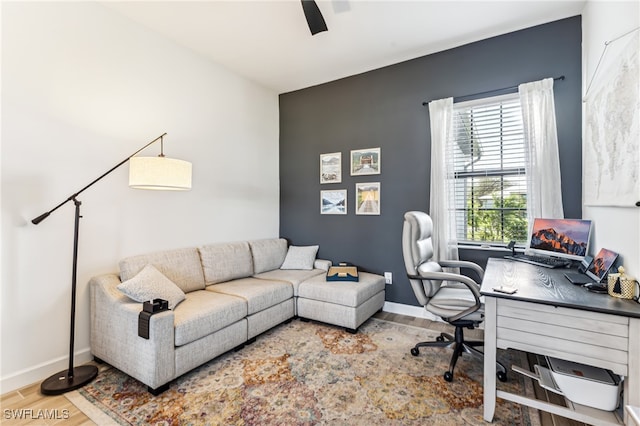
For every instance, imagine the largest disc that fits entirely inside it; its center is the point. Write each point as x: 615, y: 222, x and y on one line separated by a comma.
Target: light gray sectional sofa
x: 221, y: 296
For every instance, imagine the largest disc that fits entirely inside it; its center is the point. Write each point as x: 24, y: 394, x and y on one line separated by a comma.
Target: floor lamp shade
x: 160, y: 173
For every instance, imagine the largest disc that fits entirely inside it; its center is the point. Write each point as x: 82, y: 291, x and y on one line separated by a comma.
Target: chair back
x: 417, y: 250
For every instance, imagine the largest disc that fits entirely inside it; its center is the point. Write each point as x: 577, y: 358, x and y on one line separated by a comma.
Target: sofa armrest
x: 322, y: 264
x: 114, y: 334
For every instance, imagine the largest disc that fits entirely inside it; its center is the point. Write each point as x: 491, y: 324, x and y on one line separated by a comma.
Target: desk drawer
x: 586, y: 337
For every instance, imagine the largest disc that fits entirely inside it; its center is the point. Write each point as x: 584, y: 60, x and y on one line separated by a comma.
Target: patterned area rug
x: 305, y: 373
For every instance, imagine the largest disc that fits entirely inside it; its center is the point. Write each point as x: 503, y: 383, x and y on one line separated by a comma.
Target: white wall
x: 616, y: 228
x: 82, y: 89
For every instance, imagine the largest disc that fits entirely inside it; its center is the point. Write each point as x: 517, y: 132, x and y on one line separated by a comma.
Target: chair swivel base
x: 63, y: 382
x: 460, y: 346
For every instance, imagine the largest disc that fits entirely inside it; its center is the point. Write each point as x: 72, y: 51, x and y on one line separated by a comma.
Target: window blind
x: 487, y: 174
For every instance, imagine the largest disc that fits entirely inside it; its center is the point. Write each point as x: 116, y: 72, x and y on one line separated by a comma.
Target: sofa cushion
x: 150, y: 284
x: 259, y: 294
x: 293, y: 276
x: 225, y: 262
x: 300, y: 257
x: 204, y: 312
x: 182, y: 266
x: 268, y: 254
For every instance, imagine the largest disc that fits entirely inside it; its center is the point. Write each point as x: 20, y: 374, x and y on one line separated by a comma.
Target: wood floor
x: 27, y: 406
x: 40, y: 410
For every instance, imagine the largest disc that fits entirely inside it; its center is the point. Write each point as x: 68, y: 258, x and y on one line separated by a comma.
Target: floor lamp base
x: 61, y: 382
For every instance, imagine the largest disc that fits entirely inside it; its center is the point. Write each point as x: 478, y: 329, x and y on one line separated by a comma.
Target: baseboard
x: 40, y: 372
x: 410, y: 310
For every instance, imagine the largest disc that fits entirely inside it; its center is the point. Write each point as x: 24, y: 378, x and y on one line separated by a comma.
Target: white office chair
x: 453, y: 297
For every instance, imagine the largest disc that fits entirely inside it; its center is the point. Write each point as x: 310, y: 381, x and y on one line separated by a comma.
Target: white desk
x: 550, y: 316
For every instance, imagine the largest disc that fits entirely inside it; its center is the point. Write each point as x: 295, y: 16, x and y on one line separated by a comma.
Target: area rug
x: 306, y: 373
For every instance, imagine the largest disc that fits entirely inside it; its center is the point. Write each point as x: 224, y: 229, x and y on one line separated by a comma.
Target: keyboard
x: 546, y: 262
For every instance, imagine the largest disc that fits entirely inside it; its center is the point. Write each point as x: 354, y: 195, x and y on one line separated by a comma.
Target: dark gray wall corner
x: 383, y: 108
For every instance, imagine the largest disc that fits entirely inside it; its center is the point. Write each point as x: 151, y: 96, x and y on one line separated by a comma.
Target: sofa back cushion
x: 268, y: 254
x: 182, y: 266
x: 226, y: 261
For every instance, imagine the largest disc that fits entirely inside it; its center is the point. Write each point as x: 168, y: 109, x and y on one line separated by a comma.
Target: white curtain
x: 544, y: 195
x: 441, y: 199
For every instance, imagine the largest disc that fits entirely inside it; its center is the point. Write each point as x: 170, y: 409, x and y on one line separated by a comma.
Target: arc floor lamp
x: 159, y: 173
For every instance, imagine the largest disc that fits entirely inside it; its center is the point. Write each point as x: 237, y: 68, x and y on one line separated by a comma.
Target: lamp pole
x: 76, y: 377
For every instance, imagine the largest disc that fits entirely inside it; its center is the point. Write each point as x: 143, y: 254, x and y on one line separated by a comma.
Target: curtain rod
x: 457, y: 98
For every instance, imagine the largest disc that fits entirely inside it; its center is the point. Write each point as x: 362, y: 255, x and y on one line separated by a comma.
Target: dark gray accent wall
x: 383, y: 108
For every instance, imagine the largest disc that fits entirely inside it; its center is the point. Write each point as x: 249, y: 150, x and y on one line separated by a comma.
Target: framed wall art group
x: 363, y: 162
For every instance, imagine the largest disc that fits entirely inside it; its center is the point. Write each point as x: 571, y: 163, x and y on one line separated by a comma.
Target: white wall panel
x: 83, y: 88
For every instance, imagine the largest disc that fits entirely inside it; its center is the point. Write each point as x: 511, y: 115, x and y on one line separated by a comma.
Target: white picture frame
x: 367, y: 198
x: 331, y: 167
x: 365, y: 162
x: 333, y: 201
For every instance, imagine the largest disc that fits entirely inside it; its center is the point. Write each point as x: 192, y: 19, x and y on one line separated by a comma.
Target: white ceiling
x: 269, y: 42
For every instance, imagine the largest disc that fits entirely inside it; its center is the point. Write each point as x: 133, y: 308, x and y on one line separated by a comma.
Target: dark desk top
x: 549, y: 287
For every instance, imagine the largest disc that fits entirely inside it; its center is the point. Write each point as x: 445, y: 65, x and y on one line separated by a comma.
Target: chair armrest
x: 463, y: 264
x: 114, y: 334
x: 473, y: 287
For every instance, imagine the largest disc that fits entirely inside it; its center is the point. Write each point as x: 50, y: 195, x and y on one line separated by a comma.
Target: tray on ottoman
x: 342, y: 273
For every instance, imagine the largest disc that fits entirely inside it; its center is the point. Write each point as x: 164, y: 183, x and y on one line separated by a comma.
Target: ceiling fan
x: 314, y: 17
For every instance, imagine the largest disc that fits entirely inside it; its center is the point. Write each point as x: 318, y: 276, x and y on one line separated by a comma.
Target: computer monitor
x: 565, y: 238
x: 601, y: 264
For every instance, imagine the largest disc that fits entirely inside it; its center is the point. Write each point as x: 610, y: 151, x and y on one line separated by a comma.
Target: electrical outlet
x: 388, y: 278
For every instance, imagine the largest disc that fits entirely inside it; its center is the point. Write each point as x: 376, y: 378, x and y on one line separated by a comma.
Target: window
x: 489, y: 177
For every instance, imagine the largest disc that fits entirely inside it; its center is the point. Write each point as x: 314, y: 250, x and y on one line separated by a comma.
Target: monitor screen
x: 566, y: 238
x: 601, y: 264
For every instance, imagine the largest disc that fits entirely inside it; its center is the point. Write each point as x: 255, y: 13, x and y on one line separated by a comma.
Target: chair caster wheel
x: 448, y: 376
x: 439, y: 339
x: 415, y: 351
x: 502, y: 376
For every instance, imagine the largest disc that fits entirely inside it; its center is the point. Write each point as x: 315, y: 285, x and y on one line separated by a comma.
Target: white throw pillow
x: 300, y: 257
x: 149, y: 284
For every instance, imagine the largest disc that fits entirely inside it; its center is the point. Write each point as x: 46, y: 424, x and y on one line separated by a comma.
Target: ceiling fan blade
x: 314, y: 17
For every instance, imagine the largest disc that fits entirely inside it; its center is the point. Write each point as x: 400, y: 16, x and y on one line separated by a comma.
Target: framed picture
x: 331, y: 167
x: 368, y: 198
x: 365, y: 162
x: 333, y: 202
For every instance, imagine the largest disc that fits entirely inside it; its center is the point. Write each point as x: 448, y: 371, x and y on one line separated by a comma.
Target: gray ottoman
x: 343, y: 303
